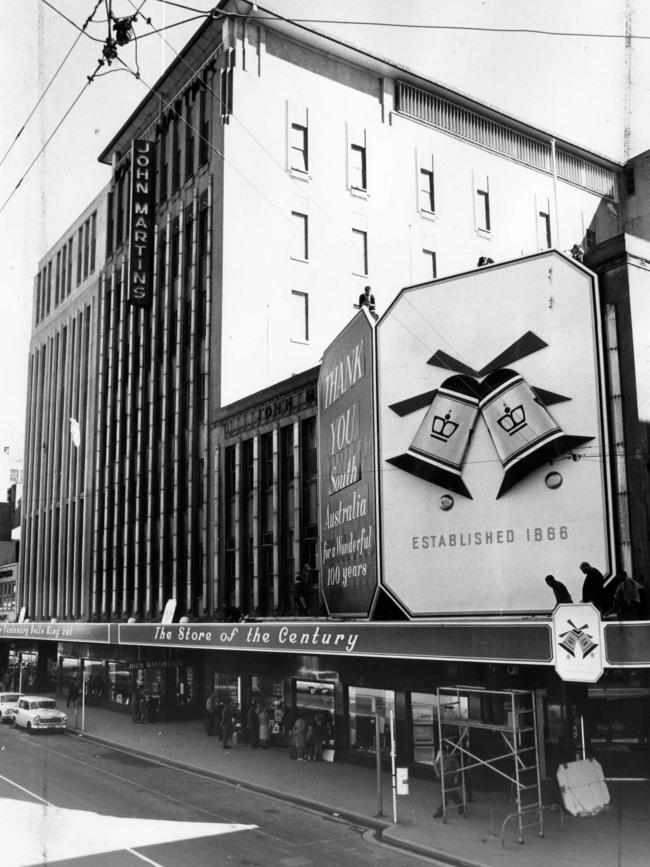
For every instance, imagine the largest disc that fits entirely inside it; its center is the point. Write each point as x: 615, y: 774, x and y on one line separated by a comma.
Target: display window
x: 269, y: 694
x: 424, y: 722
x: 365, y: 706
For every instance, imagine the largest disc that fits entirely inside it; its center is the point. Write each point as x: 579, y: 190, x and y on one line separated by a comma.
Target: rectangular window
x: 189, y: 137
x: 360, y: 252
x: 298, y: 148
x: 110, y: 224
x: 64, y: 270
x: 358, y: 175
x: 204, y: 127
x: 628, y: 180
x: 590, y: 239
x: 69, y: 287
x: 80, y: 252
x: 544, y: 229
x: 162, y: 162
x: 86, y: 228
x: 226, y: 85
x: 426, y: 191
x: 483, y: 223
x: 176, y: 147
x: 300, y: 316
x: 430, y: 264
x: 93, y: 240
x: 174, y: 251
x: 364, y: 704
x: 300, y: 239
x: 49, y: 287
x: 57, y: 279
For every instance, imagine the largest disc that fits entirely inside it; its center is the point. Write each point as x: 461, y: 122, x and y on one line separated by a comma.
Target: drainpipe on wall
x: 556, y: 218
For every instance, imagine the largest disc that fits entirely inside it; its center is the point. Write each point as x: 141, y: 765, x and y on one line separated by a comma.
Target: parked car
x: 8, y: 706
x: 39, y: 713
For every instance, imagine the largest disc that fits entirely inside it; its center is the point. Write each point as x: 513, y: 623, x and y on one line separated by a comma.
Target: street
x: 66, y: 800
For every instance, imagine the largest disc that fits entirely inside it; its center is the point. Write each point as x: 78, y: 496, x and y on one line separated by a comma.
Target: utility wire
x: 70, y: 21
x: 51, y: 82
x: 403, y: 25
x: 51, y: 136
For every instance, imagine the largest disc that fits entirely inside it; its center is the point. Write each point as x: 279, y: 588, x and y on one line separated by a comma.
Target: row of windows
x: 54, y: 281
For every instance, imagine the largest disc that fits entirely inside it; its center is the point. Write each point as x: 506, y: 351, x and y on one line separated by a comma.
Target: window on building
x: 287, y: 502
x: 590, y: 239
x: 69, y: 286
x: 204, y: 127
x: 544, y: 230
x: 188, y: 246
x: 629, y: 181
x: 226, y: 85
x: 360, y: 252
x: 93, y: 240
x: 300, y: 316
x: 57, y: 279
x: 174, y: 259
x: 86, y: 228
x: 189, y: 136
x: 162, y: 162
x: 365, y: 705
x: 298, y: 148
x: 300, y: 239
x: 80, y: 253
x: 110, y: 224
x: 176, y: 146
x: 49, y: 287
x: 426, y: 191
x: 309, y: 490
x: 358, y: 170
x: 64, y: 270
x: 483, y: 217
x: 430, y: 264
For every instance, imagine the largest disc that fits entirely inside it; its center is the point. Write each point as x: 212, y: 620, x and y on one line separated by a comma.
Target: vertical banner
x: 141, y: 222
x: 348, y: 529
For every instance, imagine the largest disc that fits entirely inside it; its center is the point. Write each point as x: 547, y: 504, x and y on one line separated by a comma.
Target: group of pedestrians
x: 222, y: 719
x: 624, y: 598
x: 309, y: 737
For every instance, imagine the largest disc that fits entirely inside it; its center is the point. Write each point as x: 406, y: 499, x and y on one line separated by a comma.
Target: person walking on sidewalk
x: 253, y: 725
x: 299, y: 738
x: 210, y: 711
x: 227, y: 723
x: 263, y: 721
x: 447, y: 769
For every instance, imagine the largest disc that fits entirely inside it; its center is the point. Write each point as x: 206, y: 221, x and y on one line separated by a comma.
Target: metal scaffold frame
x: 519, y: 734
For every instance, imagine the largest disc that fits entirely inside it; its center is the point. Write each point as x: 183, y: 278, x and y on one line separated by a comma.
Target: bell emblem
x: 524, y: 433
x: 440, y: 443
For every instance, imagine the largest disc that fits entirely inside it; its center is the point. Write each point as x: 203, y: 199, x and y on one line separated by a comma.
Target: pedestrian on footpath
x: 227, y: 723
x: 137, y: 706
x: 253, y: 725
x: 263, y: 723
x: 299, y: 738
x: 210, y: 711
x: 447, y: 767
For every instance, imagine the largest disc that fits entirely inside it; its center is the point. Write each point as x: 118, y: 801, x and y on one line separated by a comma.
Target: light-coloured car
x: 8, y: 706
x: 39, y: 713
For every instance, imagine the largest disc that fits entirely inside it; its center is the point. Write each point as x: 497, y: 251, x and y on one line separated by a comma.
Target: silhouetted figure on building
x: 483, y: 261
x: 627, y: 597
x: 367, y: 299
x: 577, y: 253
x: 559, y: 589
x: 593, y: 587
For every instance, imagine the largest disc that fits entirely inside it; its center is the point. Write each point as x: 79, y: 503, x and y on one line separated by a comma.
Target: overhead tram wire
x: 402, y: 25
x: 70, y: 21
x: 51, y: 82
x: 51, y: 136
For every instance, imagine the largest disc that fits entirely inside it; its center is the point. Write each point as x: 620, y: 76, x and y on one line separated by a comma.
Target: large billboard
x: 492, y: 439
x: 346, y: 423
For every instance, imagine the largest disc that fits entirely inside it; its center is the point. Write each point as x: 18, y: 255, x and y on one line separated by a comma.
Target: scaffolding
x: 511, y: 714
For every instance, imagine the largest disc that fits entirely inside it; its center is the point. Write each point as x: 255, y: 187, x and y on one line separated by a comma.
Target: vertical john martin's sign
x: 140, y: 287
x: 347, y: 475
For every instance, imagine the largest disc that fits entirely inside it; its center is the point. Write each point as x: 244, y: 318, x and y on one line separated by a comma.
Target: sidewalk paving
x: 619, y: 837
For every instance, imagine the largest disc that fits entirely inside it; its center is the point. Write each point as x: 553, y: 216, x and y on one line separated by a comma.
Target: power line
x: 50, y: 137
x: 403, y: 25
x: 70, y: 21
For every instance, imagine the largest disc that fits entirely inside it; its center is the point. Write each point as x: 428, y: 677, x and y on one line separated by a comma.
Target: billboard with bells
x: 492, y: 438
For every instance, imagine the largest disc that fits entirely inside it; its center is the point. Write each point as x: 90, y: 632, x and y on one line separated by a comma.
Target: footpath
x: 618, y: 837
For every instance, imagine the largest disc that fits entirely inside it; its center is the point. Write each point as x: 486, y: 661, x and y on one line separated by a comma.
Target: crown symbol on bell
x: 513, y: 419
x: 443, y: 428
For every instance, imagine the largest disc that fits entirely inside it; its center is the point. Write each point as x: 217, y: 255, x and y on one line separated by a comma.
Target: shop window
x: 364, y: 707
x: 314, y: 702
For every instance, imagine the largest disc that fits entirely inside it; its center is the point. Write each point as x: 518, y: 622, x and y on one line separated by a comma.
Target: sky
x: 520, y: 56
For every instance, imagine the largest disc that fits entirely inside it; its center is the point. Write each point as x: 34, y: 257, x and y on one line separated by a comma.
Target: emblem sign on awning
x: 578, y: 642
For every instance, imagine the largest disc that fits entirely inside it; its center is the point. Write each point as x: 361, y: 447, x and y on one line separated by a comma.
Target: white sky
x: 574, y: 87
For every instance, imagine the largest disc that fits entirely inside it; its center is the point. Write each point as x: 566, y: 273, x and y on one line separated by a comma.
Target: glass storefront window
x: 315, y: 698
x: 363, y: 706
x: 119, y: 683
x: 425, y: 728
x: 269, y: 694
